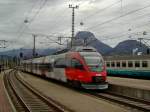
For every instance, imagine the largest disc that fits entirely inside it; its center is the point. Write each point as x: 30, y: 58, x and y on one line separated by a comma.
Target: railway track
x: 26, y: 98
x: 126, y: 101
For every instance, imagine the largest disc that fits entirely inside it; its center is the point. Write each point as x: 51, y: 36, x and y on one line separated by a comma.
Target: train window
x: 93, y: 60
x: 112, y: 64
x: 51, y: 67
x: 41, y: 66
x: 33, y: 66
x: 108, y: 64
x: 76, y: 64
x: 130, y: 64
x: 68, y: 62
x: 137, y: 64
x: 45, y: 66
x: 48, y: 66
x: 60, y: 63
x: 118, y: 64
x: 144, y: 64
x: 124, y: 64
x: 37, y: 66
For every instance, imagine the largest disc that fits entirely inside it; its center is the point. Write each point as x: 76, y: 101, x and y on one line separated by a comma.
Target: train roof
x: 76, y: 48
x: 127, y: 57
x: 60, y: 54
x: 37, y: 60
x: 61, y: 51
x: 84, y: 49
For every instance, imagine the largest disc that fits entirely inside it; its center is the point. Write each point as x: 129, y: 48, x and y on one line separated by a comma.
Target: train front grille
x: 97, y: 79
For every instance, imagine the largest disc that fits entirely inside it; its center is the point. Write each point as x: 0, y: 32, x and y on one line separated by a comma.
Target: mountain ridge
x: 87, y: 38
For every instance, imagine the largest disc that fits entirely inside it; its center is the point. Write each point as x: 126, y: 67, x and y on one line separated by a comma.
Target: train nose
x: 97, y: 79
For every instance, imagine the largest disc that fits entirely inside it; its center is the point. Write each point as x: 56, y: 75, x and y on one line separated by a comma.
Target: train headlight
x: 98, y: 75
x: 97, y: 79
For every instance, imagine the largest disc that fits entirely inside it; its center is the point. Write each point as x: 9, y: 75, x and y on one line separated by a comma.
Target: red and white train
x: 81, y: 66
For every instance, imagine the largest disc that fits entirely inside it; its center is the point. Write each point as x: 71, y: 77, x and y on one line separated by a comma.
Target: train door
x: 76, y: 70
x: 59, y: 69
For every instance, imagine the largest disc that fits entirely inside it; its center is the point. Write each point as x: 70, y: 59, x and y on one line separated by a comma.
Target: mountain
x: 127, y: 47
x: 27, y: 53
x: 88, y: 38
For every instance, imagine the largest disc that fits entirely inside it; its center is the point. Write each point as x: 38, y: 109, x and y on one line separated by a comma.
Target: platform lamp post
x: 34, y: 48
x: 148, y: 50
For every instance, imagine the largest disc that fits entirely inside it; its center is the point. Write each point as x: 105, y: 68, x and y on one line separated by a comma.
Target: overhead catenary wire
x: 62, y: 17
x: 41, y: 7
x: 120, y: 35
x: 43, y: 2
x: 117, y: 37
x: 20, y: 30
x: 31, y: 10
x: 118, y: 17
x: 129, y: 21
x: 141, y: 17
x: 100, y: 10
x: 146, y: 43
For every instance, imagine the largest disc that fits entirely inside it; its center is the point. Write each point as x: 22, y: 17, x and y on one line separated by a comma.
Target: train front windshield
x: 93, y: 60
x: 94, y: 63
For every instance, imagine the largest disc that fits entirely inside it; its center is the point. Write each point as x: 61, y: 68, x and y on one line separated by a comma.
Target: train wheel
x: 73, y: 83
x: 69, y: 82
x: 77, y: 84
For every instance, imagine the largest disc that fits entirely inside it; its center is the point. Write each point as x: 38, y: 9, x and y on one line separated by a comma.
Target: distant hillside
x: 127, y: 47
x: 90, y: 39
x: 27, y: 53
x: 87, y: 38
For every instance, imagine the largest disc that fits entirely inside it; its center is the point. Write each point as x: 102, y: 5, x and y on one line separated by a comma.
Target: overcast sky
x: 111, y: 21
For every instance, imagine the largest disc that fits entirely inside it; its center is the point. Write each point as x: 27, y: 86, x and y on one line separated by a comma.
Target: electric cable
x: 118, y: 17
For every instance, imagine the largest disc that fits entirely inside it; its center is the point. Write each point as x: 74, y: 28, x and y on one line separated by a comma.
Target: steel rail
x: 27, y: 96
x: 19, y: 104
x: 46, y: 99
x: 124, y: 100
x: 120, y: 99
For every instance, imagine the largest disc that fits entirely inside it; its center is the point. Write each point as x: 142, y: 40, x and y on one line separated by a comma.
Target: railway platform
x: 130, y: 82
x: 4, y: 102
x: 77, y: 102
x: 136, y: 88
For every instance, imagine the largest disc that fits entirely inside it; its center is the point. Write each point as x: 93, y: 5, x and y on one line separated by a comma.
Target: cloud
x: 55, y: 18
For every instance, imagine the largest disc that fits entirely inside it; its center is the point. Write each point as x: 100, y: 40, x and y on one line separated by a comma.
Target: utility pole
x: 60, y: 40
x: 34, y: 39
x: 143, y: 39
x: 73, y: 18
x: 4, y: 60
x: 140, y: 39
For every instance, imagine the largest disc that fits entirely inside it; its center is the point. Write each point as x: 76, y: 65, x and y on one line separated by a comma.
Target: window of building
x: 112, y: 64
x: 144, y: 64
x: 124, y: 64
x: 137, y: 63
x: 130, y: 64
x: 118, y: 64
x: 108, y: 64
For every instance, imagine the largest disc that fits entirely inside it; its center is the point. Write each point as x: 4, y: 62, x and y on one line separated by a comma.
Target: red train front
x: 86, y: 67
